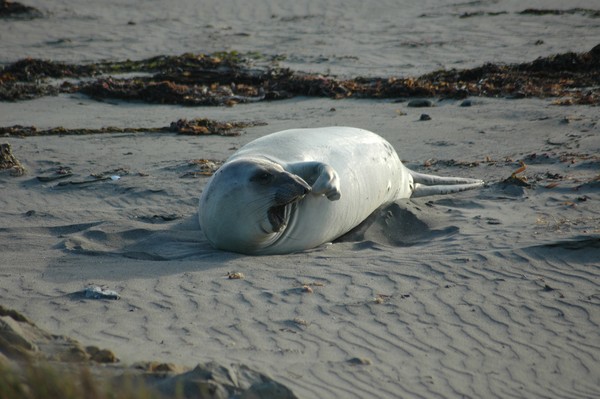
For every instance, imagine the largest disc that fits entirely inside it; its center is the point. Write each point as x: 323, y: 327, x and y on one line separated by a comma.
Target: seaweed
x: 203, y: 126
x: 10, y: 9
x: 9, y: 162
x: 198, y: 126
x: 536, y: 12
x: 582, y: 11
x: 515, y: 180
x: 230, y: 78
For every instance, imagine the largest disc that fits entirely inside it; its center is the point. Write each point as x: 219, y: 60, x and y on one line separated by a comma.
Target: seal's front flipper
x: 322, y: 178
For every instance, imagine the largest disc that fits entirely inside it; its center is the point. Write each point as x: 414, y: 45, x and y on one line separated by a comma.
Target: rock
x: 157, y: 367
x: 421, y: 103
x: 101, y: 355
x: 269, y: 389
x: 14, y: 341
x: 21, y: 341
x: 95, y: 292
x: 74, y: 354
x: 425, y: 117
x: 360, y: 361
x: 100, y: 293
x: 211, y: 380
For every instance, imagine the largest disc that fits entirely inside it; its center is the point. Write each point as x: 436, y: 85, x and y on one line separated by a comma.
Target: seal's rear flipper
x: 436, y: 185
x: 423, y: 191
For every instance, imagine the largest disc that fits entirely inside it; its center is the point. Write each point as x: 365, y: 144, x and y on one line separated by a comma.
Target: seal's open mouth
x: 278, y: 215
x: 291, y: 189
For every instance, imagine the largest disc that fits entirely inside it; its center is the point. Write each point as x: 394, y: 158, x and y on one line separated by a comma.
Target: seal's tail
x: 436, y: 185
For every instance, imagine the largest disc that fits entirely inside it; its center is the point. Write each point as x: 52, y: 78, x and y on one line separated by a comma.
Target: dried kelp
x: 31, y: 69
x: 20, y: 91
x: 571, y: 76
x: 515, y: 179
x: 9, y: 162
x: 228, y: 79
x: 199, y: 126
x: 581, y: 11
x: 203, y: 126
x: 537, y: 12
x: 10, y: 9
x: 166, y: 92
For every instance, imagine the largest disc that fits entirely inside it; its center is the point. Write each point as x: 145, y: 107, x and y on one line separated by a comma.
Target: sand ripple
x: 411, y: 322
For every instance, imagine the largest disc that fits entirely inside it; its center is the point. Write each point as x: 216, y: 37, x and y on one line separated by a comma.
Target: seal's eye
x: 262, y: 178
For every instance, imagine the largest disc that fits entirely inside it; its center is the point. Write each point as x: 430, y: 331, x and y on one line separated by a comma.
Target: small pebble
x: 547, y: 288
x: 466, y: 103
x: 360, y: 361
x: 425, y: 117
x: 235, y: 275
x: 307, y: 289
x: 101, y: 355
x: 300, y: 322
x: 95, y: 292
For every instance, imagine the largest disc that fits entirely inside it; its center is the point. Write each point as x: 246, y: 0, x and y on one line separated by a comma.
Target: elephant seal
x: 297, y: 189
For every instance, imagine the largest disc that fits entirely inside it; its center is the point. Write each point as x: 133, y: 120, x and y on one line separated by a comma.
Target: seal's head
x: 248, y: 203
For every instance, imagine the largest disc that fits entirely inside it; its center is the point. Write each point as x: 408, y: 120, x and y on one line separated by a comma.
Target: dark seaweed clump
x: 9, y: 9
x: 229, y: 79
x: 582, y: 11
x: 9, y: 162
x: 194, y: 127
x: 537, y: 12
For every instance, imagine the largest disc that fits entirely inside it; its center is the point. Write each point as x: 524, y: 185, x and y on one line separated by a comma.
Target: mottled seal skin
x: 297, y: 189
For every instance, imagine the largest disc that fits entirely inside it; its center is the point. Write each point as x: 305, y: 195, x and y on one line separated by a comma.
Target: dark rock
x: 421, y: 103
x: 211, y: 380
x: 360, y: 361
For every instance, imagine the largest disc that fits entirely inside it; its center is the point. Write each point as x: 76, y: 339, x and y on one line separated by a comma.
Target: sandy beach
x: 486, y: 293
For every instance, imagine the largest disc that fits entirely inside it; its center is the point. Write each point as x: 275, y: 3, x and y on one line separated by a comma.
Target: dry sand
x: 489, y: 293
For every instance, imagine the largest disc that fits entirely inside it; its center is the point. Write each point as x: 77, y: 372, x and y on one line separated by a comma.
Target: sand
x: 488, y: 293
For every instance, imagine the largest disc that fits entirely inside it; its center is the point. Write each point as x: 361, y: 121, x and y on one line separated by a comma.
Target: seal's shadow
x: 142, y: 241
x: 400, y: 224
